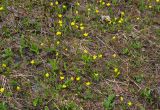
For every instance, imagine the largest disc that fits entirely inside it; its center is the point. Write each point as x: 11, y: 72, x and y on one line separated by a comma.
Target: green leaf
x: 46, y: 108
x: 125, y: 51
x: 109, y: 102
x: 53, y: 64
x: 3, y: 106
x: 35, y: 102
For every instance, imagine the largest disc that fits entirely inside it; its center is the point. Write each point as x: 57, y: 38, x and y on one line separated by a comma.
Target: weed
x: 7, y: 53
x: 109, y: 102
x: 146, y: 93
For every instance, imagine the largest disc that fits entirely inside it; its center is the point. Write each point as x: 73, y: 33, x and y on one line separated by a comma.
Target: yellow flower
x: 129, y: 103
x: 115, y: 18
x: 121, y: 98
x: 51, y: 3
x: 81, y: 24
x: 103, y: 3
x: 138, y: 18
x: 157, y: 1
x: 61, y: 25
x: 94, y: 57
x: 64, y: 6
x: 57, y: 53
x: 4, y: 65
x: 118, y: 73
x: 114, y: 55
x: 32, y: 62
x: 56, y: 3
x: 47, y: 75
x: 100, y: 56
x: 60, y: 21
x: 85, y: 51
x: 1, y: 8
x: 42, y: 44
x: 72, y: 78
x: 121, y: 20
x: 61, y: 77
x: 97, y: 11
x: 58, y: 33
x: 72, y: 23
x: 88, y: 83
x: 116, y: 70
x: 60, y: 73
x: 81, y: 27
x: 96, y: 74
x: 57, y: 42
x: 110, y: 22
x: 76, y: 12
x: 60, y: 15
x: 77, y: 26
x: 89, y: 9
x: 108, y: 4
x: 150, y: 6
x: 65, y: 49
x: 77, y: 3
x: 78, y: 78
x: 122, y: 13
x: 85, y: 34
x: 114, y: 37
x: 18, y: 88
x: 108, y: 19
x: 1, y: 90
x: 64, y: 86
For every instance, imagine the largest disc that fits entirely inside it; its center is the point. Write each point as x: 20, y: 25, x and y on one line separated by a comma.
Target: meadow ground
x: 80, y: 55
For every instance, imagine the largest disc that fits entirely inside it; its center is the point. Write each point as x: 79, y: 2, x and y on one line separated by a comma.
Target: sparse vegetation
x: 80, y: 55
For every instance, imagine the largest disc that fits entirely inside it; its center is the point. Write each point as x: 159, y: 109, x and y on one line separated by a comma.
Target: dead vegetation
x: 80, y: 55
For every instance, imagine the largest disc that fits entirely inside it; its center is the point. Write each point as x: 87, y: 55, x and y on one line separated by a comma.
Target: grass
x: 76, y: 55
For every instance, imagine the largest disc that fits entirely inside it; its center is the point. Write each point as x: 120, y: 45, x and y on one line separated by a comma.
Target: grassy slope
x: 110, y: 64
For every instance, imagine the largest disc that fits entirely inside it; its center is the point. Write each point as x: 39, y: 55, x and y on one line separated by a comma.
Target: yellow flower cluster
x: 81, y: 26
x: 116, y: 70
x: 52, y: 4
x: 60, y: 22
x: 120, y: 20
